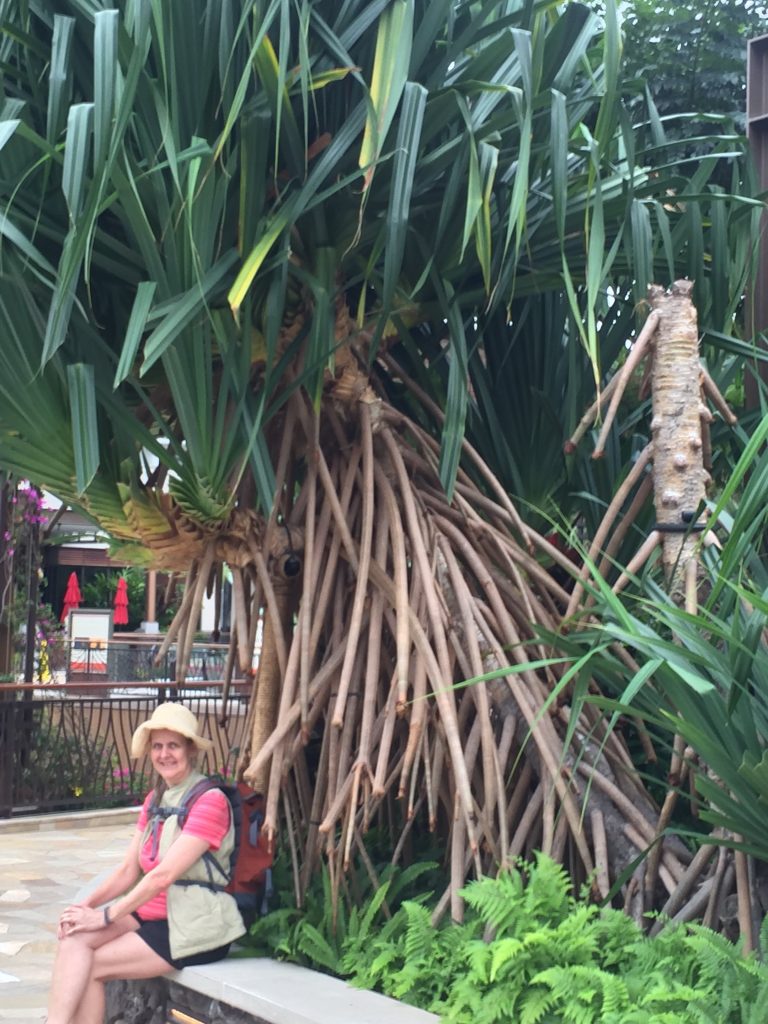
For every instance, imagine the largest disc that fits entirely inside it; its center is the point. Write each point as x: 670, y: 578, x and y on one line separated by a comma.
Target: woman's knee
x: 80, y: 942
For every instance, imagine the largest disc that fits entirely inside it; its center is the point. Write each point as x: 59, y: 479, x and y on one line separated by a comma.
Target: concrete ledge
x: 253, y: 991
x: 281, y: 993
x: 70, y: 820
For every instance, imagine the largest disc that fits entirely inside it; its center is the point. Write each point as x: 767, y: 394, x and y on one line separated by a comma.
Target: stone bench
x: 254, y: 990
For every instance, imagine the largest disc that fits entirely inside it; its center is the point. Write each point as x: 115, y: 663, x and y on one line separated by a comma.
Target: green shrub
x: 58, y: 760
x: 528, y: 952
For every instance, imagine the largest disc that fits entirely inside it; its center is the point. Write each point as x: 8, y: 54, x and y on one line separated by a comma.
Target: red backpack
x: 251, y: 883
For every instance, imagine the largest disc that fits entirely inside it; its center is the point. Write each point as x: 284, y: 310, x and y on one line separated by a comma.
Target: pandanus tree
x: 266, y: 269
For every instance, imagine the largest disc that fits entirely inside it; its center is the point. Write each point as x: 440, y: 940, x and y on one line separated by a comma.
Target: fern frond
x: 479, y: 959
x: 401, y: 880
x: 419, y: 930
x: 497, y: 901
x: 312, y: 944
x: 372, y: 910
x: 538, y: 1001
x: 504, y: 950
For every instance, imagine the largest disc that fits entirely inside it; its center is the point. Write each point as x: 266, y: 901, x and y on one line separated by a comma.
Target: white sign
x: 89, y: 631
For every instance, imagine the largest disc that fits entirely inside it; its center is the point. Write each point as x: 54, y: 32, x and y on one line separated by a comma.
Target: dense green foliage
x: 99, y: 592
x: 182, y: 182
x: 703, y: 676
x: 691, y: 55
x: 528, y: 952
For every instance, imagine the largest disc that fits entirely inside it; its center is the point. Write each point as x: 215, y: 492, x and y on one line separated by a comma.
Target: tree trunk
x: 678, y: 467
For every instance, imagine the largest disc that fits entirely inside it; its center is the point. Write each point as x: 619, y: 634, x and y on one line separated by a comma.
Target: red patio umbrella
x: 72, y: 596
x: 121, y: 603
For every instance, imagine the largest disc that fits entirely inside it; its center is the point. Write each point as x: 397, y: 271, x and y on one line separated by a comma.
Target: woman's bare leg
x: 72, y: 968
x: 125, y: 957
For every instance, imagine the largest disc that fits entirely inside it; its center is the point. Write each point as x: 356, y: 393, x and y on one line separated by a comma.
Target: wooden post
x: 150, y: 603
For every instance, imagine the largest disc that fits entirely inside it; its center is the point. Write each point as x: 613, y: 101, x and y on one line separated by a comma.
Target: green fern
x: 316, y: 947
x: 372, y: 910
x: 553, y: 959
x: 577, y: 991
x: 400, y: 880
x: 419, y: 931
x: 271, y: 935
x: 538, y: 1005
x: 503, y: 953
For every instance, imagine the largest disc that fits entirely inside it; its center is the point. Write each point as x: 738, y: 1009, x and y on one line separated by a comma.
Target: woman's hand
x: 79, y: 918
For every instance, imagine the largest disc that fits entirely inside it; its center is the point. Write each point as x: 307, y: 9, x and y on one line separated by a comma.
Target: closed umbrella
x: 121, y: 603
x: 72, y: 596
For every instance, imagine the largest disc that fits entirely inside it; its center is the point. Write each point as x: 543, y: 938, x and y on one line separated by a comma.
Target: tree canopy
x: 308, y: 289
x: 692, y: 55
x: 180, y: 182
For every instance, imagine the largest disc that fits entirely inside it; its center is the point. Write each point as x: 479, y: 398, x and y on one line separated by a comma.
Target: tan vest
x: 198, y: 917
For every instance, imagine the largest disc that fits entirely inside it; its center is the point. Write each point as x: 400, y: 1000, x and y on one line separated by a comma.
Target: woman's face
x: 171, y: 755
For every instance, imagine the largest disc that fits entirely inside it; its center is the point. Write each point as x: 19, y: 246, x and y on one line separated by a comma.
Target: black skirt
x: 155, y: 934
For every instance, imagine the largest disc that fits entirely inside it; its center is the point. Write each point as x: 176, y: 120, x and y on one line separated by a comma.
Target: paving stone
x: 15, y: 896
x: 22, y: 1016
x: 11, y: 948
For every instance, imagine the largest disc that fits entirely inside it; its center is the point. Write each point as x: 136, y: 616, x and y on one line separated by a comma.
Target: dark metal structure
x: 61, y: 751
x: 757, y: 132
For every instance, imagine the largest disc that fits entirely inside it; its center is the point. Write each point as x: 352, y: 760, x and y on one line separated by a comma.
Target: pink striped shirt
x: 208, y: 819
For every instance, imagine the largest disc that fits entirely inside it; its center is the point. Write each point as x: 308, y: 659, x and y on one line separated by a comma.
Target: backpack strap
x: 158, y: 814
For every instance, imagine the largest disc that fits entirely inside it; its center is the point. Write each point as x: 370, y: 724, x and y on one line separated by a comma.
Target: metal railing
x: 61, y: 660
x: 63, y: 751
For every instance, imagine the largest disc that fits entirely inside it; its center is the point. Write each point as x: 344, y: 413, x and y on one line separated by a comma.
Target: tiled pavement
x: 44, y: 863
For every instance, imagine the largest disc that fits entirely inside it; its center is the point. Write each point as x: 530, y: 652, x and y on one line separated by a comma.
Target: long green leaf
x: 59, y: 76
x: 77, y: 156
x: 85, y: 436
x: 404, y: 169
x: 136, y: 325
x: 184, y: 309
x: 105, y: 64
x: 388, y: 78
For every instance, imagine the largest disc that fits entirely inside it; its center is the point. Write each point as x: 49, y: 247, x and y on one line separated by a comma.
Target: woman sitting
x: 159, y: 909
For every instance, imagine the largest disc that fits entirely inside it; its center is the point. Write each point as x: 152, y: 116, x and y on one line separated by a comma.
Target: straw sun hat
x: 171, y: 716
